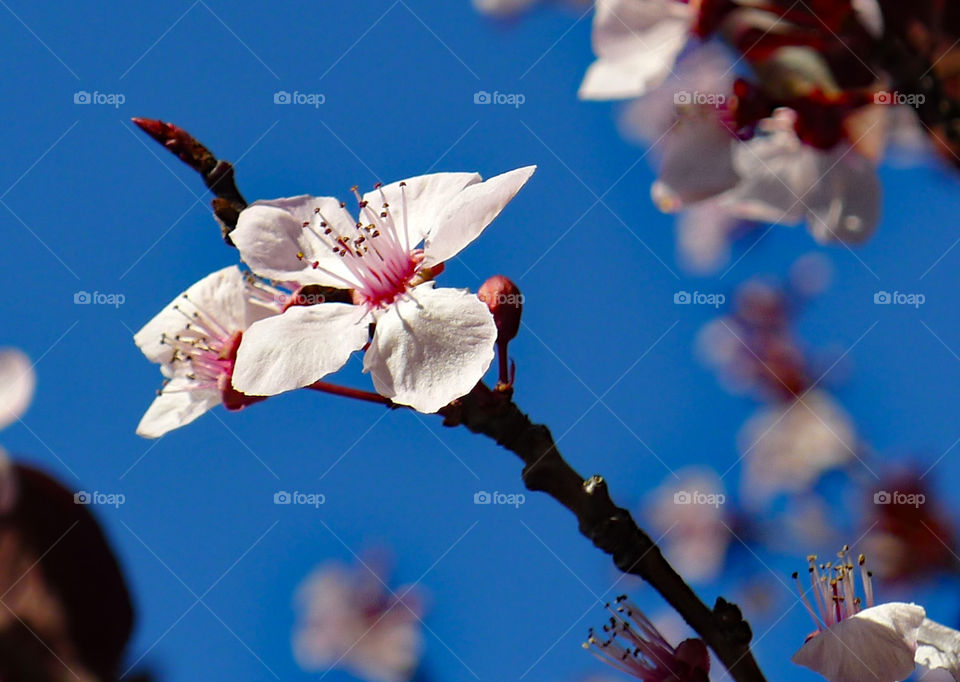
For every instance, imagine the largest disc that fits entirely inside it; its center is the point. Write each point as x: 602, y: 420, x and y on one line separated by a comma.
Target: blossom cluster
x: 324, y: 283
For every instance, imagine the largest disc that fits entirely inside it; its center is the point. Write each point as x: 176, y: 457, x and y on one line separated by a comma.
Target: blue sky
x: 90, y: 204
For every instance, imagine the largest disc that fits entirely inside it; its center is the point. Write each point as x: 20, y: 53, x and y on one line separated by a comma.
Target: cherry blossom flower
x: 852, y: 643
x: 431, y: 345
x: 636, y: 43
x: 195, y: 341
x: 688, y: 510
x: 879, y: 643
x: 350, y: 619
x: 631, y: 643
x: 17, y: 382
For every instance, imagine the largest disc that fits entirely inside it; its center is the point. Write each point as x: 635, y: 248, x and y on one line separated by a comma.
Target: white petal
x: 418, y: 205
x: 17, y: 381
x: 636, y: 43
x: 469, y: 213
x: 299, y: 347
x: 870, y: 15
x: 220, y: 295
x: 844, y: 204
x: 271, y: 235
x: 704, y: 233
x: 431, y: 348
x: 939, y: 647
x: 696, y: 165
x: 178, y: 405
x: 876, y: 645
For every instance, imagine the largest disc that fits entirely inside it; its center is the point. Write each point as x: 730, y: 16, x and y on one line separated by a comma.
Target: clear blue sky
x: 89, y: 203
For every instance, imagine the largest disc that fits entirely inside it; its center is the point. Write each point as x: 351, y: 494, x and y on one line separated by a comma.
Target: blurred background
x: 607, y: 358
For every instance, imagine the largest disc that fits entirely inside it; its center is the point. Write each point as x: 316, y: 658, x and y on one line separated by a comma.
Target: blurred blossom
x: 689, y: 511
x: 787, y: 130
x: 17, y: 382
x: 752, y: 348
x: 910, y: 536
x: 636, y: 43
x: 788, y: 446
x: 349, y: 618
x: 631, y: 643
x: 430, y: 345
x: 195, y: 340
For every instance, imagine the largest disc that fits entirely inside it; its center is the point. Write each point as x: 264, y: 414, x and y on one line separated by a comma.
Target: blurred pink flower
x: 349, y: 618
x: 689, y: 511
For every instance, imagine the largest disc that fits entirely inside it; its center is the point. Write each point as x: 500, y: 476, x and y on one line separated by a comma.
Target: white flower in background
x: 431, y: 345
x: 17, y: 382
x: 348, y: 618
x: 195, y: 340
x: 853, y: 643
x: 881, y: 643
x: 688, y: 510
x: 788, y: 446
x: 636, y: 43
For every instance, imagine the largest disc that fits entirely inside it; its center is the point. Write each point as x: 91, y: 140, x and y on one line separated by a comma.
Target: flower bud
x: 505, y: 302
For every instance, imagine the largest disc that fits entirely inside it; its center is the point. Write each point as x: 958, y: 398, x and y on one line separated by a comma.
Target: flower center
x: 377, y: 253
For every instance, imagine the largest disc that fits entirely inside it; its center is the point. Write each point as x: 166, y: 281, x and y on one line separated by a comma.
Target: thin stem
x: 347, y: 392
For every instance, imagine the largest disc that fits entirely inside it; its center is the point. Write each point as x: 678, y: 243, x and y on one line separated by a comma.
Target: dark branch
x: 609, y: 527
x: 217, y: 174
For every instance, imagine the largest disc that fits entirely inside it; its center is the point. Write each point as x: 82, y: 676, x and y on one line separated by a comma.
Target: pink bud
x: 505, y: 302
